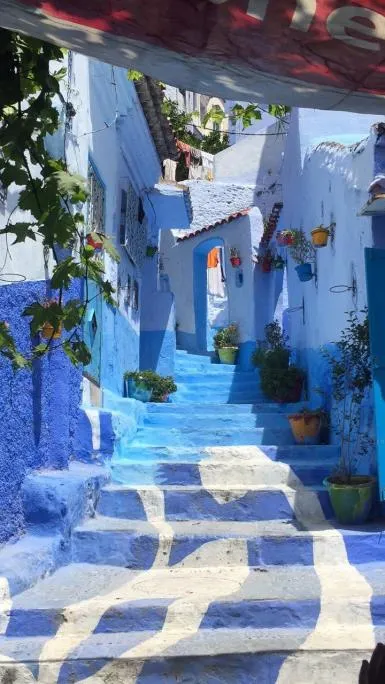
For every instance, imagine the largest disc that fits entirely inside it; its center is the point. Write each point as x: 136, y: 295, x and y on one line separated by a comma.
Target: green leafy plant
x: 227, y: 337
x: 302, y: 250
x: 50, y: 194
x: 151, y: 251
x: 351, y: 377
x: 279, y: 381
x: 160, y: 385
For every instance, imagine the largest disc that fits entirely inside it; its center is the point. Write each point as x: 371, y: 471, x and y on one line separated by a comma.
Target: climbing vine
x: 50, y: 195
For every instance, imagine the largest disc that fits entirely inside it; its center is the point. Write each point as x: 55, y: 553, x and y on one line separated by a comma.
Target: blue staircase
x: 211, y: 550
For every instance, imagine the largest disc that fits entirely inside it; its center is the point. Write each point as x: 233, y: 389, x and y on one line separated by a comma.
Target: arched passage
x: 210, y: 312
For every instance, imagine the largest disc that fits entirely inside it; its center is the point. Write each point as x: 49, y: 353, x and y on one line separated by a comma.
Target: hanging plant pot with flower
x: 320, y: 236
x: 285, y: 238
x: 49, y: 330
x: 93, y: 240
x: 235, y: 258
x: 302, y: 252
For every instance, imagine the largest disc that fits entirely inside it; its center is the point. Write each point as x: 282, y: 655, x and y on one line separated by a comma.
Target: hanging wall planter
x: 94, y: 241
x: 49, y: 332
x: 285, y: 238
x: 320, y: 236
x: 235, y: 261
x: 304, y: 272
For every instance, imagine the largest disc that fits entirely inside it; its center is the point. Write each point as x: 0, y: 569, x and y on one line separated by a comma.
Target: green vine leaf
x: 22, y: 231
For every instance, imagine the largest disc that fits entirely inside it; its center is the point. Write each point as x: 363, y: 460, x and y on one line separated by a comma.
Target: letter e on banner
x: 345, y: 19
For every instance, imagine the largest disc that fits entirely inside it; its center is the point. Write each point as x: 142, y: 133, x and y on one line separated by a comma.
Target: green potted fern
x: 148, y: 386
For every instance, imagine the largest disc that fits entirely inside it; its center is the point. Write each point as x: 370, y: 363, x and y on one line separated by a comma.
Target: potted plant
x: 302, y: 252
x: 320, y: 236
x: 226, y: 343
x: 94, y: 240
x: 151, y: 251
x: 148, y: 386
x: 351, y: 494
x: 235, y: 257
x: 285, y: 238
x: 265, y: 261
x: 280, y: 381
x: 306, y: 425
x: 53, y: 327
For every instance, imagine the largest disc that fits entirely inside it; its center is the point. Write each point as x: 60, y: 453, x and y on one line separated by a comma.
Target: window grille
x: 135, y: 230
x: 96, y: 201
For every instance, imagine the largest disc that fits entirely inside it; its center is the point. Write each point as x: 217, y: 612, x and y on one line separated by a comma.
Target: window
x: 133, y: 231
x: 96, y: 201
x: 123, y: 217
x: 135, y: 296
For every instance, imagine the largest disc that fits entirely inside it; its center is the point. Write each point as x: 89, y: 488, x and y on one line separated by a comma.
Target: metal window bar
x: 96, y: 202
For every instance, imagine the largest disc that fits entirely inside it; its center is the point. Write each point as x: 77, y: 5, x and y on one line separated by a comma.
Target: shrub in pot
x: 306, y: 425
x: 226, y: 343
x: 351, y: 493
x: 148, y: 386
x: 279, y: 381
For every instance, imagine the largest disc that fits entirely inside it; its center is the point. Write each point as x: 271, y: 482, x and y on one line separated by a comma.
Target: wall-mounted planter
x: 96, y: 244
x: 235, y: 261
x: 228, y: 355
x: 49, y: 332
x: 285, y: 238
x: 279, y: 263
x: 304, y: 272
x: 320, y: 236
x: 266, y: 265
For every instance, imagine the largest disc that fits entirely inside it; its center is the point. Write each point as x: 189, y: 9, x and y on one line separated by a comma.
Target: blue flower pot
x: 304, y: 272
x: 137, y: 391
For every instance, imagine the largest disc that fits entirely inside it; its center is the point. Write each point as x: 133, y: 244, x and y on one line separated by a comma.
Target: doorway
x: 211, y: 302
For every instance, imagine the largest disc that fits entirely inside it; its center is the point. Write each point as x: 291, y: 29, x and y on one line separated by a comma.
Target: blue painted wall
x: 39, y: 408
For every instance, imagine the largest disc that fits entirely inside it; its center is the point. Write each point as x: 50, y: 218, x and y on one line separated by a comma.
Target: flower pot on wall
x: 285, y: 238
x: 228, y: 355
x: 94, y: 242
x: 49, y: 332
x: 304, y: 272
x: 351, y: 502
x: 306, y: 427
x: 320, y: 236
x: 235, y: 261
x: 266, y: 265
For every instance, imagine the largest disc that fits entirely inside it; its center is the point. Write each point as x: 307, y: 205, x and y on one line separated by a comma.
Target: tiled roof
x: 212, y: 226
x: 271, y: 224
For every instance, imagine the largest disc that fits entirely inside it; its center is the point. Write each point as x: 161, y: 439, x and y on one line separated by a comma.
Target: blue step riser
x: 240, y: 380
x: 199, y: 505
x: 233, y: 409
x: 212, y: 420
x: 138, y: 552
x: 327, y: 455
x: 236, y: 437
x: 189, y: 474
x: 140, y: 616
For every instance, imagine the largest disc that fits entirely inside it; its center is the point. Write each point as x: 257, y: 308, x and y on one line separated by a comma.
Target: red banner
x: 316, y: 53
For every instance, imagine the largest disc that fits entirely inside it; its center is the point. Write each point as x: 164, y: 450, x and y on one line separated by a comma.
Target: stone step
x: 232, y: 503
x: 214, y: 419
x: 222, y: 409
x: 232, y: 656
x: 287, y: 453
x: 223, y: 397
x: 222, y: 436
x: 223, y: 471
x: 239, y: 379
x: 193, y: 544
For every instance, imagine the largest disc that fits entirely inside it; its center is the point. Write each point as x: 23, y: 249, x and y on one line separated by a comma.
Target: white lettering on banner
x: 304, y: 14
x: 344, y: 19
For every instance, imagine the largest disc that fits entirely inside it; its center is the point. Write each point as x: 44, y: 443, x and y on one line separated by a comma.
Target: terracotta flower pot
x: 235, y: 261
x: 306, y: 428
x: 320, y: 236
x: 49, y: 332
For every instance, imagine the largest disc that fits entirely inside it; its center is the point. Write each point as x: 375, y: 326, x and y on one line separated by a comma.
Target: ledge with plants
x: 351, y: 493
x: 148, y: 386
x: 280, y: 381
x: 226, y: 344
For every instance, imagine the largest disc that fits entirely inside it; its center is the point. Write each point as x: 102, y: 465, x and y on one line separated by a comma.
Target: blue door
x: 93, y: 332
x: 375, y: 281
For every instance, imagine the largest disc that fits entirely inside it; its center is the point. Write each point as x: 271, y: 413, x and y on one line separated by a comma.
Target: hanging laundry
x: 169, y: 166
x: 195, y: 170
x: 213, y: 258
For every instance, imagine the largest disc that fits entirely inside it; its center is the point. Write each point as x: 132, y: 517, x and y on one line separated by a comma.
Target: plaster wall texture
x: 213, y: 202
x: 157, y: 324
x: 241, y: 233
x: 330, y: 185
x: 40, y: 409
